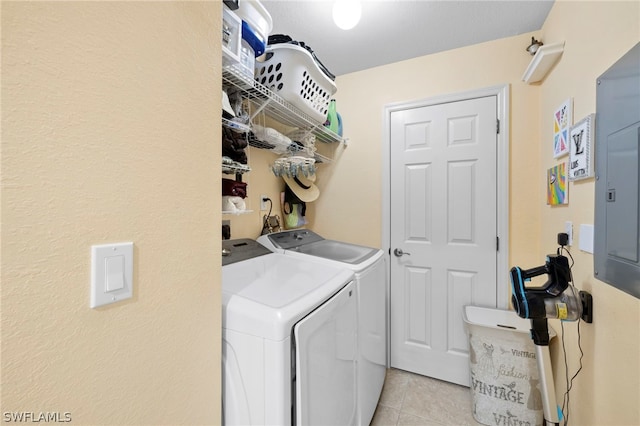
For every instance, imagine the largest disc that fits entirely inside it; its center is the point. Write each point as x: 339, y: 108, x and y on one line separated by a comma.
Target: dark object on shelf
x: 233, y: 145
x: 234, y: 188
x: 231, y: 4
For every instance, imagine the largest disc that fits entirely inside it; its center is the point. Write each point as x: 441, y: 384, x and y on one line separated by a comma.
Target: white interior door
x: 443, y: 171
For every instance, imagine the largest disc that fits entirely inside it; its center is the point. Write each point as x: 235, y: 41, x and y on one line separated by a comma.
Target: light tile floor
x: 411, y: 399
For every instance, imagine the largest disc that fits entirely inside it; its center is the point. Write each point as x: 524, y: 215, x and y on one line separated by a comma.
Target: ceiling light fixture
x: 346, y: 13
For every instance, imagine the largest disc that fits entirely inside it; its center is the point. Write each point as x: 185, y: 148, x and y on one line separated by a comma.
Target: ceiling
x: 395, y: 30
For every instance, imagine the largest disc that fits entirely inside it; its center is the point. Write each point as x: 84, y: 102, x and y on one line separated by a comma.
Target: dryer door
x: 326, y: 352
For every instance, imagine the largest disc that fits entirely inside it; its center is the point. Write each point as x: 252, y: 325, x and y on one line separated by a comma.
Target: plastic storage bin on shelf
x: 291, y: 72
x: 505, y: 382
x: 255, y: 14
x: 231, y: 37
x: 250, y: 36
x: 244, y: 36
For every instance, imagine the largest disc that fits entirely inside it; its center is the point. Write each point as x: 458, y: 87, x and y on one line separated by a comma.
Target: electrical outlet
x: 263, y: 203
x: 226, y: 229
x: 568, y: 229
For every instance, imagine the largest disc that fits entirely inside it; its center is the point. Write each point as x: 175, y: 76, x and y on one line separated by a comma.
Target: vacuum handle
x: 533, y: 272
x: 524, y: 299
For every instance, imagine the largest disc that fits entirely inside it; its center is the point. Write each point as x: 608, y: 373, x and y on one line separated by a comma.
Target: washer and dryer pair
x: 370, y: 270
x: 304, y: 330
x: 288, y: 339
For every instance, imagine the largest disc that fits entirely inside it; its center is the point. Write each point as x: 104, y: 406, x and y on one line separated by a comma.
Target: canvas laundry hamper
x: 505, y: 383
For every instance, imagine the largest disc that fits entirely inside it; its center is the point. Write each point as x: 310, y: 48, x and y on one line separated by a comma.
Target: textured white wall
x: 109, y: 134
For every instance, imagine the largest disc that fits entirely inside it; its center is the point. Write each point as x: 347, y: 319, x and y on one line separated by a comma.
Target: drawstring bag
x: 293, y: 209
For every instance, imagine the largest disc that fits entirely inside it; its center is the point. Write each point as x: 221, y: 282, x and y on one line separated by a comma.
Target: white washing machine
x: 369, y: 266
x: 288, y: 339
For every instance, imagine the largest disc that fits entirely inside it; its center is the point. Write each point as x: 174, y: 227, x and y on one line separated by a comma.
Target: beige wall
x: 351, y: 205
x: 607, y: 391
x: 109, y: 135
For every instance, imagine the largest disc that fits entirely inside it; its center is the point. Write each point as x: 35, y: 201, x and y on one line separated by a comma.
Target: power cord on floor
x: 569, y: 382
x: 265, y: 221
x: 565, y: 402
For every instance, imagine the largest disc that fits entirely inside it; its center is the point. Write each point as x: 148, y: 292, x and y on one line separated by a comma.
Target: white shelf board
x: 543, y: 60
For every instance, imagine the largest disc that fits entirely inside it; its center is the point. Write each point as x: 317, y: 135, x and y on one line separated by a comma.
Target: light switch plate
x: 111, y: 273
x: 586, y: 237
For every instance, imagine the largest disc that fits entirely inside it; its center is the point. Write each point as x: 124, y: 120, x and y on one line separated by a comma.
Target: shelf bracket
x: 260, y: 108
x: 542, y: 62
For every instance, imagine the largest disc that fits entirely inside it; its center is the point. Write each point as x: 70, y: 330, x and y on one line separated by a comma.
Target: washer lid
x: 308, y: 242
x: 266, y: 295
x: 338, y: 251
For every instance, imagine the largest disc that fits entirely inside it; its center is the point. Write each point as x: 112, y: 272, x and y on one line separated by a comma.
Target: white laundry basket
x: 291, y: 72
x: 505, y: 382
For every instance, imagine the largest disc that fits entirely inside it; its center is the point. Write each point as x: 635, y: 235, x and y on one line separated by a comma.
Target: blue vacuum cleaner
x: 556, y: 299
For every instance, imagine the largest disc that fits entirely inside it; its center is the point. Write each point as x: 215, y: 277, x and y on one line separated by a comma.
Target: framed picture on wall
x: 581, y: 150
x: 562, y: 121
x: 557, y: 185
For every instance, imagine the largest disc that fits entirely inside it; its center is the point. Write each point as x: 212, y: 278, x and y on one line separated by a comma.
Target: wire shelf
x: 274, y: 106
x: 235, y: 126
x: 235, y: 168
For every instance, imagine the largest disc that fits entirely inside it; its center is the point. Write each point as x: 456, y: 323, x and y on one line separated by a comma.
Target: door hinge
x: 497, y: 243
x: 497, y: 125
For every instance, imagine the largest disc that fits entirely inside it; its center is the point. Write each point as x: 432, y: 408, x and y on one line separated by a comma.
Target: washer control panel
x: 242, y: 249
x: 288, y: 240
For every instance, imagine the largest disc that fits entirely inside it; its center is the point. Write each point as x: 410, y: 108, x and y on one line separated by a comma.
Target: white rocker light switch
x: 111, y: 273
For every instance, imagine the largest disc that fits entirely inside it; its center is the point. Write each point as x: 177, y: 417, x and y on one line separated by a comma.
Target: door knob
x: 398, y: 252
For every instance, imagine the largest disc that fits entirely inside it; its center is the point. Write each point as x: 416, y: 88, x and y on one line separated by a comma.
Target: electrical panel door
x: 617, y: 218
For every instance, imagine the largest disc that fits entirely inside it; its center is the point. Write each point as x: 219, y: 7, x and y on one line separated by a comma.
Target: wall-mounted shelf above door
x: 544, y: 59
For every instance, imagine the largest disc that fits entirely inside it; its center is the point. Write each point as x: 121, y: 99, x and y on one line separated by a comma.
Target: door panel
x: 444, y: 218
x: 325, y: 373
x: 418, y: 287
x: 462, y: 177
x: 418, y: 227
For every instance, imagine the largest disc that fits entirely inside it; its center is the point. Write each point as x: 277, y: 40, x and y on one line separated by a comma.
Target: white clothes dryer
x: 370, y: 268
x: 288, y: 339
